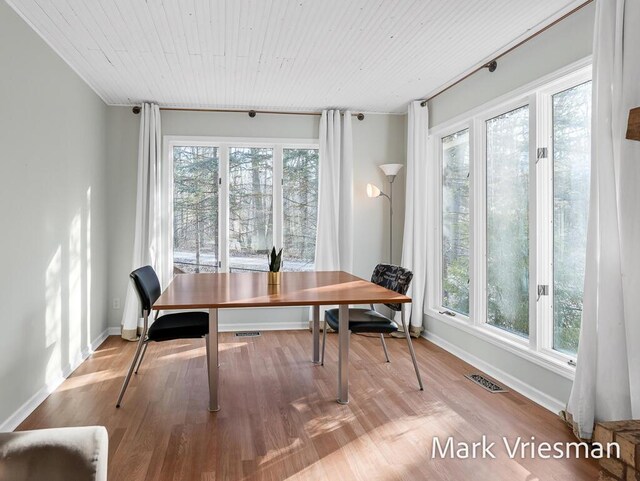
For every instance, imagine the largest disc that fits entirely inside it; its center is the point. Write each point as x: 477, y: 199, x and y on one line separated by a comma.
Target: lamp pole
x: 391, y: 179
x: 390, y: 170
x: 390, y: 199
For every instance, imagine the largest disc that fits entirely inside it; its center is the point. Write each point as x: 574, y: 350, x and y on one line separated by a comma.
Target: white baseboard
x: 291, y: 325
x: 34, y: 401
x: 537, y: 396
x: 263, y: 326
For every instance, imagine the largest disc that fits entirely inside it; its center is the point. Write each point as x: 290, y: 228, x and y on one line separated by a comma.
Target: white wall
x: 561, y: 45
x: 378, y: 139
x: 52, y: 204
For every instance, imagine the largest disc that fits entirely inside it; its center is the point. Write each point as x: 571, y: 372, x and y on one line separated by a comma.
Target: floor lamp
x: 390, y: 170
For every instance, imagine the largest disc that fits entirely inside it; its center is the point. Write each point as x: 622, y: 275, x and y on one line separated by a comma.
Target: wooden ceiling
x: 300, y: 55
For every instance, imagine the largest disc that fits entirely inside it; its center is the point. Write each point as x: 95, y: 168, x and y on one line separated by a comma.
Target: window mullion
x: 277, y: 197
x: 534, y: 211
x: 223, y: 206
x: 544, y: 232
x: 479, y: 176
x: 438, y: 192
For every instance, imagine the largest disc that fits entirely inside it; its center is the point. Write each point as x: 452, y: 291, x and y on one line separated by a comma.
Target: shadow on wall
x: 50, y: 333
x: 67, y: 296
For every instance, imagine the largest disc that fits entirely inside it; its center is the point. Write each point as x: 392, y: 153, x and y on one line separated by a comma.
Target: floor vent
x: 248, y: 334
x: 486, y: 383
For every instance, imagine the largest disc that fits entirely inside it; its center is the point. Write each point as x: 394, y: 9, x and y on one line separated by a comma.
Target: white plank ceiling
x: 302, y: 55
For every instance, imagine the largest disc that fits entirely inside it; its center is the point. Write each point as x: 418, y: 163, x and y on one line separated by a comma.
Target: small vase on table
x: 275, y: 261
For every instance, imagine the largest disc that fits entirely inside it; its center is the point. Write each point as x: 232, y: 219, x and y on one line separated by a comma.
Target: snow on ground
x: 186, y: 261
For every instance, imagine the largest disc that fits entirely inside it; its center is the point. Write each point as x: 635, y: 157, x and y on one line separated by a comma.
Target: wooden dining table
x: 251, y: 289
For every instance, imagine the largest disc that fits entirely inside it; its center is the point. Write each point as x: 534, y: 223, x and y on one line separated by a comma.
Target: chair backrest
x: 147, y: 286
x: 394, y: 278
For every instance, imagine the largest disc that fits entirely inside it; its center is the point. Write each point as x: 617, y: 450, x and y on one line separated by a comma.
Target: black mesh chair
x: 182, y: 325
x: 370, y: 321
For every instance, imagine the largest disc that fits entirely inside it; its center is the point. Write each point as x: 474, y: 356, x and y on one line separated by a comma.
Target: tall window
x: 195, y: 209
x: 300, y: 207
x: 455, y: 222
x: 234, y: 201
x: 250, y: 207
x: 571, y: 169
x: 515, y: 183
x: 507, y: 161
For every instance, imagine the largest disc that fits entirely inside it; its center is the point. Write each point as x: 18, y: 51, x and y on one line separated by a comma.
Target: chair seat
x: 362, y: 320
x: 181, y: 325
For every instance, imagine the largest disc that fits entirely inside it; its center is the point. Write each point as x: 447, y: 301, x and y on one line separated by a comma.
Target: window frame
x: 481, y: 224
x: 538, y: 347
x: 545, y: 319
x: 224, y: 144
x: 438, y: 191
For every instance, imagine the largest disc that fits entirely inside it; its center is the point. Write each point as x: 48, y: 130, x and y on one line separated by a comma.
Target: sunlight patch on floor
x: 76, y: 382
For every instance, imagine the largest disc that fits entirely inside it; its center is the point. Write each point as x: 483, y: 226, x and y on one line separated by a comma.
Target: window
x: 300, y: 207
x: 507, y: 167
x: 455, y: 222
x: 250, y: 207
x: 233, y: 200
x: 509, y: 259
x: 195, y: 209
x: 571, y: 169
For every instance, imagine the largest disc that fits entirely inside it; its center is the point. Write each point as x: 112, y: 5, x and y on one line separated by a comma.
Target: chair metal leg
x: 144, y: 351
x: 135, y: 359
x: 384, y: 346
x: 324, y: 341
x: 413, y: 354
x: 316, y: 334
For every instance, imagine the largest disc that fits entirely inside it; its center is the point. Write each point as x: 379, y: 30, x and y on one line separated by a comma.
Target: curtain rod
x: 252, y: 113
x: 493, y: 64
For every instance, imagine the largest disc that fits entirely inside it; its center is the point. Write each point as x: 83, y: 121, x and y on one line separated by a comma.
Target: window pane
x: 300, y: 208
x: 250, y: 208
x: 571, y: 168
x: 455, y: 222
x: 195, y: 209
x: 508, y: 221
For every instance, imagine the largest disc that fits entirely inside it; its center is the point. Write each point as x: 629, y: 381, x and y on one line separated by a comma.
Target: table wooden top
x: 250, y: 289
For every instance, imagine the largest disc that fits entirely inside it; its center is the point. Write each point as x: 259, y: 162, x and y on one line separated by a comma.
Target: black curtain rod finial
x: 136, y: 110
x: 360, y: 116
x: 252, y: 113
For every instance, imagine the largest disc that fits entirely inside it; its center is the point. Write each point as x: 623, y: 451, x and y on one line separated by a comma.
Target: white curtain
x: 334, y: 245
x: 148, y: 248
x: 606, y: 385
x: 414, y: 243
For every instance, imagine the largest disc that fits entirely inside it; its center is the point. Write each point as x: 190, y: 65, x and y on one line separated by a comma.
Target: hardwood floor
x: 279, y: 419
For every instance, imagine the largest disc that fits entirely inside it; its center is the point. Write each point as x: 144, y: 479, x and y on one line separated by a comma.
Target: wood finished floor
x: 279, y: 419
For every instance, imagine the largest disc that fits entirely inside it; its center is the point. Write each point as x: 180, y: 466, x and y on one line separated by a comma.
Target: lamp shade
x: 372, y: 191
x: 391, y: 169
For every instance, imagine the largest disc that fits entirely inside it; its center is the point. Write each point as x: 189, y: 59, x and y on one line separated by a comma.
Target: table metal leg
x: 213, y: 360
x: 343, y: 354
x: 316, y: 334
